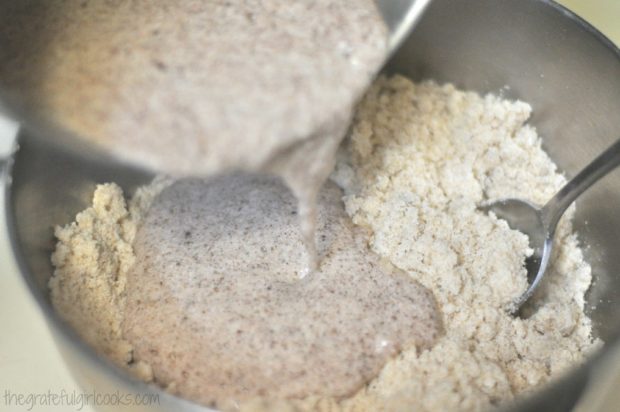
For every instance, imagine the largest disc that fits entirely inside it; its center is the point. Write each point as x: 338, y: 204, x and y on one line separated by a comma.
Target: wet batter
x: 215, y: 304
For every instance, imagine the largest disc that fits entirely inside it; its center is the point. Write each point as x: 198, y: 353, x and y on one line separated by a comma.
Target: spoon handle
x: 599, y: 167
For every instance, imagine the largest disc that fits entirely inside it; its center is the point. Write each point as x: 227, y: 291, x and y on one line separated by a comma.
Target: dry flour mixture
x: 418, y: 160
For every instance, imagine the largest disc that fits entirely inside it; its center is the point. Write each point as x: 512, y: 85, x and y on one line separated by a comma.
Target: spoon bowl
x: 539, y: 223
x: 527, y: 218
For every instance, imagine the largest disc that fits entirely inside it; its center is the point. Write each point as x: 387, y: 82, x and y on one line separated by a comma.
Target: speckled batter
x: 215, y: 304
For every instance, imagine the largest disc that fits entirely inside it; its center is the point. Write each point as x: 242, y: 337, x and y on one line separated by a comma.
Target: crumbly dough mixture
x: 419, y: 159
x: 92, y: 258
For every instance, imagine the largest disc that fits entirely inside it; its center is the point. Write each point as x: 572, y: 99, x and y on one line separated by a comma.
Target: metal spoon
x: 539, y: 223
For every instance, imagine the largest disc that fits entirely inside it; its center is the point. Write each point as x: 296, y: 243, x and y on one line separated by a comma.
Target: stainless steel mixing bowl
x: 547, y: 56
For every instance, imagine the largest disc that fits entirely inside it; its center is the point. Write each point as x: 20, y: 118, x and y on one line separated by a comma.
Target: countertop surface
x: 30, y: 365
